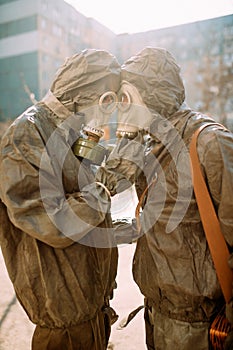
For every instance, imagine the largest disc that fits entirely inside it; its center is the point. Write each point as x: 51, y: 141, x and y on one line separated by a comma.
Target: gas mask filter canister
x: 96, y: 117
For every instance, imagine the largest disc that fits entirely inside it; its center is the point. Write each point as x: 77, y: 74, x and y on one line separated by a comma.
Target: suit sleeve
x: 33, y: 192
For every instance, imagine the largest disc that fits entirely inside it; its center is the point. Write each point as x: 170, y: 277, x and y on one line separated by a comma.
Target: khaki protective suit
x: 52, y: 211
x: 172, y: 264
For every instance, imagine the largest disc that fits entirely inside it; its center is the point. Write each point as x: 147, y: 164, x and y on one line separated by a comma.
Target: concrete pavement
x: 15, y: 328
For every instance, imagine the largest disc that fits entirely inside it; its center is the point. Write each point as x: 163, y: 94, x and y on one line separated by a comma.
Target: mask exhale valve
x: 88, y: 147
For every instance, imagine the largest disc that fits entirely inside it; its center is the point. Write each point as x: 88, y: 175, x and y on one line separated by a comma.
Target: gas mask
x: 96, y: 118
x: 133, y: 115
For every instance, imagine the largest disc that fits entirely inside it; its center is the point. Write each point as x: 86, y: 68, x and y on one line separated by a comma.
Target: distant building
x: 204, y: 50
x: 36, y: 36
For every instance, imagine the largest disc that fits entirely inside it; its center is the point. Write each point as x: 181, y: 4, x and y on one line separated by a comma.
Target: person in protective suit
x: 56, y: 225
x: 172, y: 263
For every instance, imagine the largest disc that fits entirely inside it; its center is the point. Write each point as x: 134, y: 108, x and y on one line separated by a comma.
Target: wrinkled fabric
x: 172, y: 264
x: 56, y: 226
x: 123, y: 165
x: 91, y: 335
x: 174, y: 334
x: 79, y: 74
x: 156, y: 75
x: 228, y: 345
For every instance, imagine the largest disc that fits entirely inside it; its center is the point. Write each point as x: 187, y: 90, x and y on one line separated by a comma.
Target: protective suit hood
x: 84, y: 77
x: 156, y: 75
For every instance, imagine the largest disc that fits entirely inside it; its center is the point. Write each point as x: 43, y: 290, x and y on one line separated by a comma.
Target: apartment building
x: 35, y: 38
x: 204, y: 50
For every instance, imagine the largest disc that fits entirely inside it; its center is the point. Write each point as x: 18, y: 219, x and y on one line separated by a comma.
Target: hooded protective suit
x: 172, y: 265
x: 52, y: 211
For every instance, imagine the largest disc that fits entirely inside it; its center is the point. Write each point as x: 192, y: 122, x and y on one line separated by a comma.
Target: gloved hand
x: 123, y: 165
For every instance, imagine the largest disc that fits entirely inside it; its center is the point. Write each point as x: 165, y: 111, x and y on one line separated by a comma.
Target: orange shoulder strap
x: 210, y: 222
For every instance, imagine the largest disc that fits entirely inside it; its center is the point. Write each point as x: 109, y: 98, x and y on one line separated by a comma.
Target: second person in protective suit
x: 172, y: 264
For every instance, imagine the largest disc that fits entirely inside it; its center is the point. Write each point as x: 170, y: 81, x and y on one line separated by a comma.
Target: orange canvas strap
x: 210, y: 222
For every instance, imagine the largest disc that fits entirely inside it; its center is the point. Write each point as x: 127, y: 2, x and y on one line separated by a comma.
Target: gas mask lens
x: 107, y: 102
x: 124, y: 101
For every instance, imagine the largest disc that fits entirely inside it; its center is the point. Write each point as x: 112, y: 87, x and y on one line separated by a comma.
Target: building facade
x: 36, y: 36
x: 204, y: 50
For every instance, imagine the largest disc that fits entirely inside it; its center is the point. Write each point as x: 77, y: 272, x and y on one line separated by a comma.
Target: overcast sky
x: 132, y: 16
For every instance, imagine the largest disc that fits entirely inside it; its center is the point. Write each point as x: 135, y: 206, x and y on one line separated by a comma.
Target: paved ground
x: 127, y: 298
x: 16, y: 329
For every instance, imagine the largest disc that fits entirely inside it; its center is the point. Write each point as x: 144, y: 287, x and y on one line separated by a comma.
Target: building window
x: 228, y: 32
x: 57, y: 63
x: 45, y: 58
x: 43, y: 23
x: 45, y: 41
x: 57, y: 31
